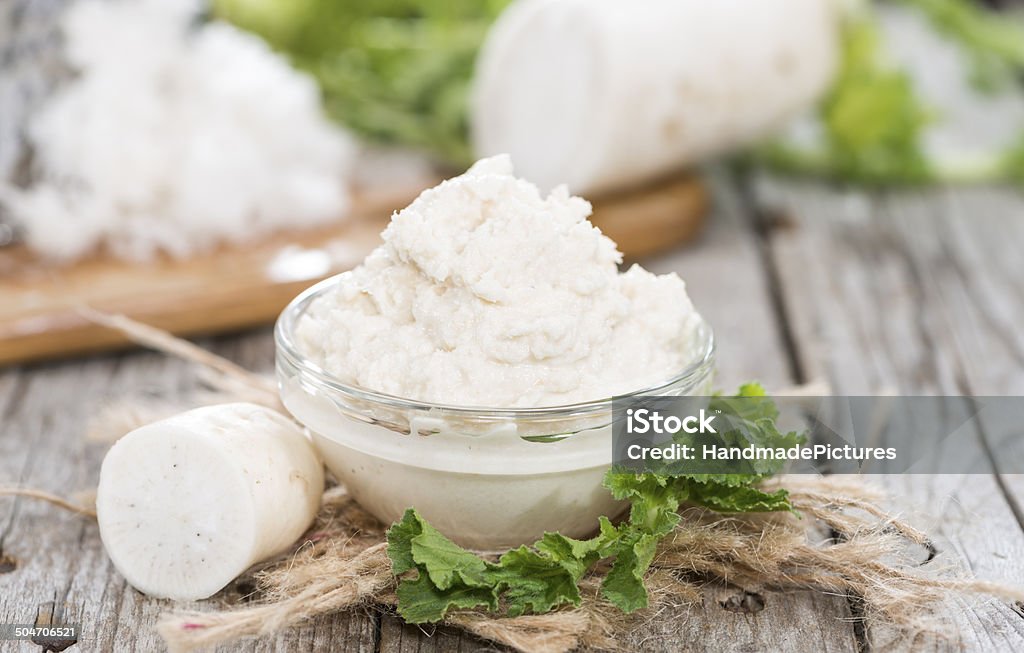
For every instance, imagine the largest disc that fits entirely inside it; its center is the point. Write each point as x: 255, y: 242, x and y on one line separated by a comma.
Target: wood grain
x: 123, y: 619
x: 789, y: 621
x: 60, y: 557
x: 886, y: 294
x: 834, y: 278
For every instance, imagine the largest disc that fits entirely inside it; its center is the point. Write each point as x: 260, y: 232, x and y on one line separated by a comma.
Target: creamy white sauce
x: 485, y: 293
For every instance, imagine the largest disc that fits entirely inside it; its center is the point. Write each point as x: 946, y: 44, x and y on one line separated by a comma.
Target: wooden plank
x: 399, y: 637
x: 869, y: 289
x: 60, y: 557
x: 49, y: 546
x: 979, y: 237
x: 725, y: 279
x: 789, y: 621
x: 229, y: 288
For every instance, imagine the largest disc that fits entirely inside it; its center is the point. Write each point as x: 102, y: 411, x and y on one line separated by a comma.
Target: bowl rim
x: 287, y: 351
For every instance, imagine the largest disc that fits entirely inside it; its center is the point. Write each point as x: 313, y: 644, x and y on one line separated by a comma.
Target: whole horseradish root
x: 188, y: 503
x: 601, y: 96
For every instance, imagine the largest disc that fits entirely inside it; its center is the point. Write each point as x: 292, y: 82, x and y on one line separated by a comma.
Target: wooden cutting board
x: 244, y: 286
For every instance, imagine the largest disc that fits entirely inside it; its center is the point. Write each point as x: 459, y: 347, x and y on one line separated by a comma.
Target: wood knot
x: 7, y: 564
x: 51, y: 615
x: 743, y: 603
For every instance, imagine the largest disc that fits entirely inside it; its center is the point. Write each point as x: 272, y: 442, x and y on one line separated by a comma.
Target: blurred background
x: 838, y: 183
x: 195, y: 163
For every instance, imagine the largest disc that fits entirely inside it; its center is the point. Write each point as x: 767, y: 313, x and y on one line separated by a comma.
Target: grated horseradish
x: 486, y: 293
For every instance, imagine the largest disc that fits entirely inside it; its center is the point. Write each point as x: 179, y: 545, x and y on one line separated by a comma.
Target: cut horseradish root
x: 188, y: 503
x: 600, y: 96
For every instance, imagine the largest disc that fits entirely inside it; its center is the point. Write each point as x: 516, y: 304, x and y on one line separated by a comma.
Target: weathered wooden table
x: 908, y: 292
x: 913, y: 292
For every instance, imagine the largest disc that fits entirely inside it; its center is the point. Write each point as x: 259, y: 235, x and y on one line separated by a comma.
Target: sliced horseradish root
x: 188, y: 503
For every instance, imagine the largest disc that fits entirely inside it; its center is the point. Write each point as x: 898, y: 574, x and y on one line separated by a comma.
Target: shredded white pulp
x: 485, y: 293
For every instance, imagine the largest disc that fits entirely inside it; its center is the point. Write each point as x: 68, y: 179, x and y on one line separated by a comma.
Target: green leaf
x: 539, y: 578
x: 395, y: 71
x: 993, y: 42
x: 577, y: 556
x: 626, y: 486
x: 525, y: 579
x: 624, y: 584
x: 420, y: 601
x: 446, y: 563
x: 736, y: 498
x: 1013, y: 160
x: 871, y: 121
x: 872, y: 117
x: 400, y: 537
x: 872, y: 124
x: 532, y: 582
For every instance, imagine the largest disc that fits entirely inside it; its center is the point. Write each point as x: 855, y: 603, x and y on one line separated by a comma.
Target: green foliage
x: 449, y: 577
x: 439, y: 576
x: 994, y: 43
x: 399, y: 71
x: 1013, y: 161
x: 393, y: 70
x: 872, y: 121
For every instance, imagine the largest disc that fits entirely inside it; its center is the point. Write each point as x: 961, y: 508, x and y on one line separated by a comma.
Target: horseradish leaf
x: 420, y: 601
x: 400, y: 542
x: 447, y: 564
x: 532, y: 582
x: 624, y: 584
x: 577, y: 556
x: 449, y: 577
x: 721, y: 497
x: 439, y: 576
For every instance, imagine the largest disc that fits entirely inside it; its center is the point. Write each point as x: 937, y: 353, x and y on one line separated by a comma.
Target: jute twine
x: 840, y: 542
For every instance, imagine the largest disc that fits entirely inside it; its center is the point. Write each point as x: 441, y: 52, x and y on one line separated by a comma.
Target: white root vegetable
x: 601, y: 94
x: 188, y: 503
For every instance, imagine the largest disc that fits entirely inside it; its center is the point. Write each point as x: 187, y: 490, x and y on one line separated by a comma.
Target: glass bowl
x: 488, y: 478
